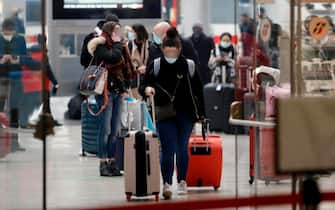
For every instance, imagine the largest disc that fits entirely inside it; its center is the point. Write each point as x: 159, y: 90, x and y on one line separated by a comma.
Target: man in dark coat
x: 85, y: 56
x: 203, y: 44
x: 159, y: 32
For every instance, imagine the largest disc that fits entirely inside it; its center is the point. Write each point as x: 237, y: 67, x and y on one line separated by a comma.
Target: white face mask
x: 8, y: 37
x: 225, y: 44
x: 171, y: 60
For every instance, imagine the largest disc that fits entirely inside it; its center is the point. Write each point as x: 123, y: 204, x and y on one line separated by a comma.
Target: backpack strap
x: 191, y: 67
x: 157, y: 66
x: 190, y: 63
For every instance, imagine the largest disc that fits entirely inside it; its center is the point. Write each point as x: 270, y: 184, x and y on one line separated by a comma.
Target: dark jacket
x: 110, y: 57
x: 85, y: 57
x: 19, y: 23
x: 16, y: 47
x: 167, y: 79
x: 188, y: 51
x: 203, y: 45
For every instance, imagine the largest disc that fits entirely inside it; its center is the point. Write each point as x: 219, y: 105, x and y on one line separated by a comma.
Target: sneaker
x: 182, y: 188
x: 167, y: 191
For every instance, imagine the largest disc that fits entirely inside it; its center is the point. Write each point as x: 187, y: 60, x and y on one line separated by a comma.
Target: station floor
x: 74, y: 182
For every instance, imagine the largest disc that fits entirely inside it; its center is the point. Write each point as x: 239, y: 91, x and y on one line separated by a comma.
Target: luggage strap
x: 104, y: 105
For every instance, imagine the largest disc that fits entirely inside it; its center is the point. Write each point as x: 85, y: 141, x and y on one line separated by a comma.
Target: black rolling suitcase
x: 218, y: 99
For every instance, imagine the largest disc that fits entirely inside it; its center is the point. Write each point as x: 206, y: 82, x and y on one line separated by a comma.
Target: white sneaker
x: 182, y: 188
x: 167, y: 191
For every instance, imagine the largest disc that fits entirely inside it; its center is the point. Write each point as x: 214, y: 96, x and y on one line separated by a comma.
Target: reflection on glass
x: 67, y: 44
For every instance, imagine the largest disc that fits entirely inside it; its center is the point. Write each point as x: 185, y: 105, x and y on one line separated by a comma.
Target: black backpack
x: 74, y: 108
x: 85, y: 57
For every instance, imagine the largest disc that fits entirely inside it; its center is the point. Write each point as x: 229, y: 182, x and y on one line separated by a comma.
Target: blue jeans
x: 174, y: 136
x: 110, y: 120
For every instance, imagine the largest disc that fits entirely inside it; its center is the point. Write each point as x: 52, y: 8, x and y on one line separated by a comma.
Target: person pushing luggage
x: 178, y: 95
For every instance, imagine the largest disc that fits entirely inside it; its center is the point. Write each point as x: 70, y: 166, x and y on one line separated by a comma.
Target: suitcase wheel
x: 216, y: 188
x: 251, y: 180
x: 157, y: 197
x: 128, y: 197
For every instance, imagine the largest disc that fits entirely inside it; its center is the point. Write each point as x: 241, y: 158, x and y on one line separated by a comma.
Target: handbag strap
x: 104, y: 105
x: 192, y: 96
x: 171, y: 96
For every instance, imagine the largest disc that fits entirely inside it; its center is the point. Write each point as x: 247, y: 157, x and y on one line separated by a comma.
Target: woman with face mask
x: 224, y: 56
x: 109, y: 51
x: 139, y: 51
x: 178, y: 96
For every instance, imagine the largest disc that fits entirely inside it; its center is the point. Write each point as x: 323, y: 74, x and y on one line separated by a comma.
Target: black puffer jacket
x: 167, y: 78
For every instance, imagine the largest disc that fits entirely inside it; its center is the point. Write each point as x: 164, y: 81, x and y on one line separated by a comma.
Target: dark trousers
x: 174, y: 136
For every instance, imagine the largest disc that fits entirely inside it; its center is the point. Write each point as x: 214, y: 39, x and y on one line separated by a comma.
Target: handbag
x: 93, y: 81
x: 167, y: 111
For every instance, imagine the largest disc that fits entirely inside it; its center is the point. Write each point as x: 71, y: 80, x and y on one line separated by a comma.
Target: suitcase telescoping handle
x: 204, y: 132
x: 153, y: 111
x: 249, y: 78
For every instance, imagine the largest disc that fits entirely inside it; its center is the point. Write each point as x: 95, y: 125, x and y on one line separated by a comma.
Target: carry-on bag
x: 89, y: 129
x: 141, y: 163
x: 218, y: 98
x: 205, y: 161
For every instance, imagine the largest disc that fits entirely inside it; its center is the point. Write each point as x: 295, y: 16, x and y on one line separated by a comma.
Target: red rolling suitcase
x: 241, y: 83
x: 267, y: 150
x: 205, y: 164
x: 267, y: 156
x: 5, y: 137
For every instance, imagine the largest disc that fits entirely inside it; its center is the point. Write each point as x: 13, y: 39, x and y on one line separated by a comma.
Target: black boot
x: 113, y: 168
x: 104, y: 169
x: 14, y: 118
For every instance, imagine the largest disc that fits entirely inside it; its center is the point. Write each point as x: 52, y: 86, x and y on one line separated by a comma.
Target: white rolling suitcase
x: 141, y: 163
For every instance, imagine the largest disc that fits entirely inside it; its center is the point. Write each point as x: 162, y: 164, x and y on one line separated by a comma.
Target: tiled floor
x: 73, y: 181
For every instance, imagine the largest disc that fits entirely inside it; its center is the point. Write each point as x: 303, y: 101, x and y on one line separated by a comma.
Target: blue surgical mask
x: 156, y: 39
x: 131, y: 36
x: 171, y: 60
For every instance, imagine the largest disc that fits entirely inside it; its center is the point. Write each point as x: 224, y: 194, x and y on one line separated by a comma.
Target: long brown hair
x: 107, y: 32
